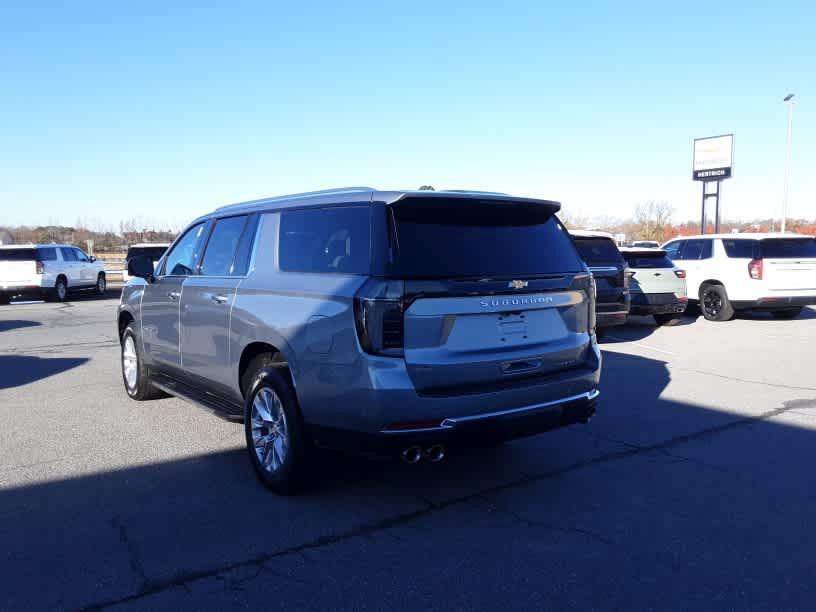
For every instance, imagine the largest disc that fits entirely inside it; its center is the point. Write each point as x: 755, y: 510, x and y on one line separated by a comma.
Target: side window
x: 327, y: 240
x: 673, y: 249
x: 182, y: 259
x: 693, y: 249
x: 68, y: 254
x: 80, y: 255
x: 222, y: 246
x: 47, y: 254
x: 742, y: 249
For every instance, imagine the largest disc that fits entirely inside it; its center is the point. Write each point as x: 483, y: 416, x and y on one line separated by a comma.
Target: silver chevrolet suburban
x: 391, y: 322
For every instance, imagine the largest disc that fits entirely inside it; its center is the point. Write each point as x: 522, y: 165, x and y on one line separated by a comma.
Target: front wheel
x: 663, y: 319
x: 134, y: 371
x: 101, y: 284
x: 274, y: 434
x: 788, y: 313
x: 714, y: 303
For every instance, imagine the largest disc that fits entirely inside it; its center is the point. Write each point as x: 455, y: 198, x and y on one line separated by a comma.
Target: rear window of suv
x: 18, y: 254
x: 438, y: 238
x: 648, y: 260
x: 788, y: 248
x: 597, y: 250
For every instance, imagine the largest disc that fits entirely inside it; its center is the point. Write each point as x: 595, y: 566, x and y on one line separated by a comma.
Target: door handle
x: 219, y: 299
x: 174, y: 295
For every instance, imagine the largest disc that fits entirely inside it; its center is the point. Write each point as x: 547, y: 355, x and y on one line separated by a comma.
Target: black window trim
x: 250, y: 225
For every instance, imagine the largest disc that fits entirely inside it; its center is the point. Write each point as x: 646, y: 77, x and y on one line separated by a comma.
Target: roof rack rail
x: 305, y: 194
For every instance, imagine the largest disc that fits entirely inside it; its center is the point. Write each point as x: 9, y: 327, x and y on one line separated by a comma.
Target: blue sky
x: 165, y: 110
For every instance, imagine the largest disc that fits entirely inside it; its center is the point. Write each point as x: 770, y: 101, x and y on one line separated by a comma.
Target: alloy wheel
x: 130, y: 362
x: 270, y: 434
x: 712, y: 302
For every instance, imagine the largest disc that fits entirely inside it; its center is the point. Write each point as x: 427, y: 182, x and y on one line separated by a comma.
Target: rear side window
x: 18, y: 254
x: 788, y: 248
x: 47, y: 254
x: 68, y: 254
x: 740, y: 249
x: 222, y: 246
x: 476, y: 239
x: 327, y: 240
x: 648, y: 260
x: 597, y: 250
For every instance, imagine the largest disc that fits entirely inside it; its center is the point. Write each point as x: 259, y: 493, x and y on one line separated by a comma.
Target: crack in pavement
x: 152, y: 587
x: 134, y: 557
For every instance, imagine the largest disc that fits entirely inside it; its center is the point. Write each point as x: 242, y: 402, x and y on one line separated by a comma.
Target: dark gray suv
x: 392, y: 322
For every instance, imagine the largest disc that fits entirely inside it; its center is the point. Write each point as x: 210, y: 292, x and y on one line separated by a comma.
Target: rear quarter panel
x: 308, y: 317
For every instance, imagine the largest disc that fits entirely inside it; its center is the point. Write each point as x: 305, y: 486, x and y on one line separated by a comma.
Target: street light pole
x: 789, y: 101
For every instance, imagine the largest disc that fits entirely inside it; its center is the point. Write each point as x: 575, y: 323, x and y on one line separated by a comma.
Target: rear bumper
x: 661, y: 303
x: 775, y: 302
x: 611, y: 313
x: 13, y: 288
x: 469, y: 430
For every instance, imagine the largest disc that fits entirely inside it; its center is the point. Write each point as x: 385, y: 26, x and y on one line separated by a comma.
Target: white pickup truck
x: 50, y: 271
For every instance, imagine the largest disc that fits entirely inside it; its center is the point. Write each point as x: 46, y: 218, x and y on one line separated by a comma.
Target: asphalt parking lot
x: 692, y: 488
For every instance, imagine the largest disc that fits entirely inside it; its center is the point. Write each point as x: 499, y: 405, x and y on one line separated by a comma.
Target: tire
x: 136, y: 377
x: 101, y: 284
x: 787, y: 314
x: 714, y: 303
x: 276, y: 444
x: 60, y: 291
x: 663, y: 319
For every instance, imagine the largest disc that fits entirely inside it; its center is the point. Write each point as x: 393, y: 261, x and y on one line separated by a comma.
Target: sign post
x: 713, y: 162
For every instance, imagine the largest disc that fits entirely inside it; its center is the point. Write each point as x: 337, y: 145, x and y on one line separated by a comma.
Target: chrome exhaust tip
x: 435, y: 453
x: 411, y: 455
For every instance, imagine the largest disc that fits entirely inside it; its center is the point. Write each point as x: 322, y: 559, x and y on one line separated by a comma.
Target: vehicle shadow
x: 641, y: 478
x: 20, y: 370
x: 111, y: 293
x: 11, y: 324
x: 639, y: 327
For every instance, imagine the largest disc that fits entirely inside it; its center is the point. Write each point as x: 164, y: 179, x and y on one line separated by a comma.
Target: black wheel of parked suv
x: 714, y: 303
x: 134, y: 372
x: 663, y: 319
x: 60, y: 291
x: 101, y: 284
x: 277, y: 446
x: 788, y: 313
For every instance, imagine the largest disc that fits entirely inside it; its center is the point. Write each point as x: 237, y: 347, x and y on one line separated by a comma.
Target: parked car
x: 646, y: 244
x: 390, y: 322
x: 726, y: 273
x: 601, y: 254
x: 50, y: 271
x: 148, y: 249
x: 657, y: 286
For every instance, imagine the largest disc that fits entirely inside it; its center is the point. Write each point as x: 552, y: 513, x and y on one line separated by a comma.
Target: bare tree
x: 652, y: 220
x: 427, y: 188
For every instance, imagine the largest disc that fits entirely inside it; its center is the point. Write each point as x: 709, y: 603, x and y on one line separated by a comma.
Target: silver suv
x: 393, y: 322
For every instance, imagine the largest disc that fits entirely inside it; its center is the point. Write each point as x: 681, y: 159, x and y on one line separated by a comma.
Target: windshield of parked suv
x: 782, y: 248
x: 597, y: 250
x: 478, y: 239
x: 18, y: 254
x: 647, y: 259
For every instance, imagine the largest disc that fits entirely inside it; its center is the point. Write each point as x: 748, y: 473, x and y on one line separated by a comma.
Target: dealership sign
x: 713, y: 158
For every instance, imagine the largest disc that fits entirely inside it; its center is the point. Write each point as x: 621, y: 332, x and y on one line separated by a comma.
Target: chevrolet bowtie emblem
x: 517, y: 284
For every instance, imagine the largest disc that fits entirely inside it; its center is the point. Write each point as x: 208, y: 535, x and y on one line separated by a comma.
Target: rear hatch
x: 653, y: 273
x: 606, y: 264
x: 789, y: 264
x: 492, y: 291
x: 18, y: 265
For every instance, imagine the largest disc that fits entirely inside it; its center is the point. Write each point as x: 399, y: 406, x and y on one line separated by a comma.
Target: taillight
x: 680, y: 273
x: 379, y: 316
x: 40, y: 267
x: 586, y: 283
x: 755, y: 269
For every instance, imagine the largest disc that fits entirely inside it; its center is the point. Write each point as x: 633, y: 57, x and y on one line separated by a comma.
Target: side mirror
x: 141, y: 266
x: 92, y: 258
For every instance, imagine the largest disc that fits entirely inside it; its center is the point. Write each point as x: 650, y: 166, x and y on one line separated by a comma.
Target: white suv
x: 50, y: 271
x: 730, y: 272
